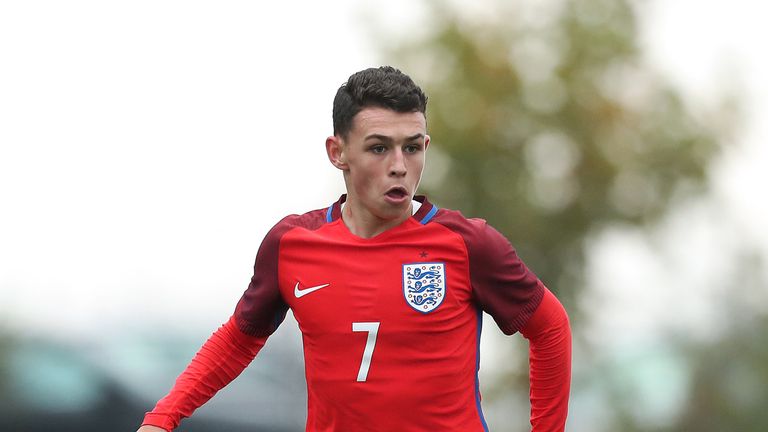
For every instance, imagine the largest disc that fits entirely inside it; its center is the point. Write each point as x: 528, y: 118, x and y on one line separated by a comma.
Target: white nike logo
x: 301, y: 293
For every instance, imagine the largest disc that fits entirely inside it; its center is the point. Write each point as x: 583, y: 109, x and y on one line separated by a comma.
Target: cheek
x: 362, y: 179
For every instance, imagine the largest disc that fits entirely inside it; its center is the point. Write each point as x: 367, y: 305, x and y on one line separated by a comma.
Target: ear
x: 334, y: 147
x: 426, y: 142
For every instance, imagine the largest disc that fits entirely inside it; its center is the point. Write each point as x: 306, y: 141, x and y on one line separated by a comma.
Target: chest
x: 412, y: 281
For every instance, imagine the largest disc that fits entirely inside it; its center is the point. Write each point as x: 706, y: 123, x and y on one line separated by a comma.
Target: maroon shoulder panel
x: 501, y: 284
x: 261, y: 309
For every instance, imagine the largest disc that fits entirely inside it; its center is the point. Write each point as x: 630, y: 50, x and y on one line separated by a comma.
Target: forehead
x: 384, y: 121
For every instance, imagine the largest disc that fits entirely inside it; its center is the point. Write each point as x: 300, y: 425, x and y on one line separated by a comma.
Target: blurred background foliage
x: 546, y: 121
x: 552, y: 128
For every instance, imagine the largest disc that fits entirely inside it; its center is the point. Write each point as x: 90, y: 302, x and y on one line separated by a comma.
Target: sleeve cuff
x: 158, y: 420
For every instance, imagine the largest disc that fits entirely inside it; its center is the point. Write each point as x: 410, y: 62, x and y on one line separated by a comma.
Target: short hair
x: 384, y: 87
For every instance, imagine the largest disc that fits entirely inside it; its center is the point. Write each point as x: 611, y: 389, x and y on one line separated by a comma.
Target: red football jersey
x: 391, y: 324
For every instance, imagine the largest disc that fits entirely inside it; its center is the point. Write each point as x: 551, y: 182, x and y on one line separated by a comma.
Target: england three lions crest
x: 424, y: 285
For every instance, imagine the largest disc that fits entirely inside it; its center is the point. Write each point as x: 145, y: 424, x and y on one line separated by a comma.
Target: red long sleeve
x: 549, y: 334
x: 220, y: 360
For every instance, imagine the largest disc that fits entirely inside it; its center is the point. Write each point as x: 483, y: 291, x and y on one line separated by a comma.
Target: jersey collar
x: 424, y: 213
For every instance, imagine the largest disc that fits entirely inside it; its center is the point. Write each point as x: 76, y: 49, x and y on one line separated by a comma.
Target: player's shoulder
x: 476, y: 232
x: 456, y: 221
x: 310, y: 220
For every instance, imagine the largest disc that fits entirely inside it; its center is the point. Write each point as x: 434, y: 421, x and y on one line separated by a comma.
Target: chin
x: 393, y: 211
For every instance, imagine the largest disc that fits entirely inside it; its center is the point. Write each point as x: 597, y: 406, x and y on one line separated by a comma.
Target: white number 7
x: 373, y: 329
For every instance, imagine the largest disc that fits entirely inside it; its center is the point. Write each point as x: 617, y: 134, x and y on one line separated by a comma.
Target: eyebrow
x: 388, y: 139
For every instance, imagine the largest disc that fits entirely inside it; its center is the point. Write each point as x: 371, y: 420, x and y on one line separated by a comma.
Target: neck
x: 366, y: 225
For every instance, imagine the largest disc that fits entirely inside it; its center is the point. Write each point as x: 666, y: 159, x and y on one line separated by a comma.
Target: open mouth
x: 397, y: 193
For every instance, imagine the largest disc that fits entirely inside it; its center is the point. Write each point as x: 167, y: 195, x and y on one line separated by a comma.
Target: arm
x: 549, y: 335
x: 506, y: 289
x: 220, y: 360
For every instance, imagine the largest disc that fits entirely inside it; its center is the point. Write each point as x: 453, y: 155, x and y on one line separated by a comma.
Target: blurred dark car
x: 52, y: 386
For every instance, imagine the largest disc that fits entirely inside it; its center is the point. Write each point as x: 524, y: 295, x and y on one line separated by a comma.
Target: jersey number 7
x: 373, y: 330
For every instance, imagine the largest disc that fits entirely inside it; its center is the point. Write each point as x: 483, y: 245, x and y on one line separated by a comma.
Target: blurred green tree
x: 548, y: 124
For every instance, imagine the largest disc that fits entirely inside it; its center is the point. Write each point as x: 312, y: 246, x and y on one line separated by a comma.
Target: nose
x: 397, y: 164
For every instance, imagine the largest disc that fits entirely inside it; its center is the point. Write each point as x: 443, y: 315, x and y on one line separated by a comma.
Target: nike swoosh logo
x: 301, y: 293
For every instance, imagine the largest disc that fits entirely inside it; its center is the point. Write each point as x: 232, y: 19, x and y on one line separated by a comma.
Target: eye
x: 378, y: 149
x: 412, y: 148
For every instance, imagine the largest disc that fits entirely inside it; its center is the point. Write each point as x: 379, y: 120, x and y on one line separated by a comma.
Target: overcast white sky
x: 146, y: 147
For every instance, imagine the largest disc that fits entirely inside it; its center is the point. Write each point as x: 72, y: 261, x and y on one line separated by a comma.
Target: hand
x: 148, y: 428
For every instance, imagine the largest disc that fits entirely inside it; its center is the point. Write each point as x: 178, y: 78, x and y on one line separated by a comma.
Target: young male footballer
x: 388, y: 291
